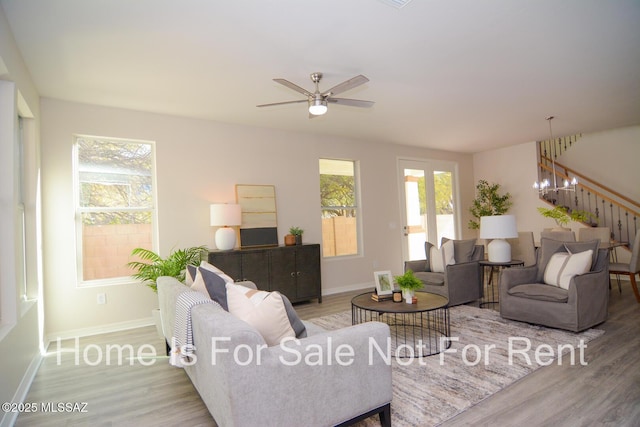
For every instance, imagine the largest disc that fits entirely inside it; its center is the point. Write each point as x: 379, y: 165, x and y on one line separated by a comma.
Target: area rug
x: 442, y: 386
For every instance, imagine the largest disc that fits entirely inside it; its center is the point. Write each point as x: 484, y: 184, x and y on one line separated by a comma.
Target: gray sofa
x: 461, y: 282
x: 272, y: 393
x: 524, y: 296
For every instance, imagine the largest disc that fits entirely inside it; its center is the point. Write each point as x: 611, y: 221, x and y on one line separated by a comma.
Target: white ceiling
x: 460, y: 75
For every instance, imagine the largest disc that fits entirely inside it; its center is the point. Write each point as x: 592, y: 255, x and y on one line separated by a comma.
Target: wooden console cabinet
x: 291, y: 270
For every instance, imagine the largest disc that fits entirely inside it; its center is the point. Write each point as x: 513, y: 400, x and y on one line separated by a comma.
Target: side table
x: 494, y: 267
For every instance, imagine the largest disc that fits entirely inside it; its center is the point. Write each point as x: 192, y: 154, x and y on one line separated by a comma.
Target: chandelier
x: 544, y: 186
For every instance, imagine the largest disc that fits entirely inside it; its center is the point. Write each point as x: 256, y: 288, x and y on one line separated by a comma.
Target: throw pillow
x: 213, y: 268
x: 435, y: 260
x: 214, y: 286
x: 548, y: 247
x: 190, y: 274
x: 563, y: 266
x: 440, y: 258
x: 263, y: 310
x: 575, y: 247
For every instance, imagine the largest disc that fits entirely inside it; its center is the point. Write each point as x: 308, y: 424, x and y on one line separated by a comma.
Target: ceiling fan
x: 318, y: 100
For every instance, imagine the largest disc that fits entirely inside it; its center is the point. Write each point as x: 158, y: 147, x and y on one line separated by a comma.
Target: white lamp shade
x: 225, y: 215
x: 498, y: 227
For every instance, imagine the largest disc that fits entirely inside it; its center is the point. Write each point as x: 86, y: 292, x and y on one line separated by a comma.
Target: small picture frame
x: 384, y: 282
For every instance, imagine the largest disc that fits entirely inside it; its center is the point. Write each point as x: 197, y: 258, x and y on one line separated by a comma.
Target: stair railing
x: 607, y: 207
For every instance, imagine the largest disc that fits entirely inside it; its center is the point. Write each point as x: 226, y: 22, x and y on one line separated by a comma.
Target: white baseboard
x: 20, y: 395
x: 97, y: 330
x: 349, y: 288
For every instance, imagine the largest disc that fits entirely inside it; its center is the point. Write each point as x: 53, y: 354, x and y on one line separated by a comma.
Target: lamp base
x: 225, y: 238
x: 499, y: 251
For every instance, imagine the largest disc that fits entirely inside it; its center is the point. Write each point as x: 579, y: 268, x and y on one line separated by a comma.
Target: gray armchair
x: 460, y: 282
x: 525, y: 297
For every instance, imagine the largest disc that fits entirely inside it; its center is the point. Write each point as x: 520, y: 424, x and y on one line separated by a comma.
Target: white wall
x: 200, y: 162
x: 19, y: 333
x: 616, y: 150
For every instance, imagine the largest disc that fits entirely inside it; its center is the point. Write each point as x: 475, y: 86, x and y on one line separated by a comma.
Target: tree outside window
x: 115, y: 204
x: 339, y: 210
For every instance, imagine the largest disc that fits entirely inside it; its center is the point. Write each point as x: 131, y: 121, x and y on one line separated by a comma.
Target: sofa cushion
x: 548, y: 247
x: 430, y: 278
x: 540, y: 292
x: 265, y: 311
x: 563, y: 266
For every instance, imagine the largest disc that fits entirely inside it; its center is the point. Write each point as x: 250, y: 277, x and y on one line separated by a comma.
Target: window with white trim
x: 339, y: 207
x: 115, y: 206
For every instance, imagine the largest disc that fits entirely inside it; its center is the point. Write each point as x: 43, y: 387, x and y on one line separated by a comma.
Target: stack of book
x: 377, y: 297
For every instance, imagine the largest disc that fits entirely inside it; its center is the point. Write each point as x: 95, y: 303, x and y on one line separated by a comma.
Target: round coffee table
x: 416, y: 329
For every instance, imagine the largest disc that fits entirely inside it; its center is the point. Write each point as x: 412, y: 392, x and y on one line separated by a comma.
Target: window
x: 339, y: 207
x: 115, y: 205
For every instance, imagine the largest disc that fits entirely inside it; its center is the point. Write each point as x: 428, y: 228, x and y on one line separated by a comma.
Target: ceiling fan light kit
x: 317, y: 107
x: 318, y: 101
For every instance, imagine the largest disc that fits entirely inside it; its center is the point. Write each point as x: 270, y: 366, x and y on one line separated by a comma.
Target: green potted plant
x: 562, y: 216
x: 488, y: 202
x: 174, y: 265
x: 408, y: 283
x: 296, y: 232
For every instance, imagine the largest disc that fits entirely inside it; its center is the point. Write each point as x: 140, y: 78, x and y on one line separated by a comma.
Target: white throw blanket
x: 182, y: 341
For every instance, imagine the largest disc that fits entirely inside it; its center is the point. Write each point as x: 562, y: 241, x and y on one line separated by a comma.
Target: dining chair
x: 590, y: 233
x: 632, y: 268
x: 523, y: 247
x: 561, y: 235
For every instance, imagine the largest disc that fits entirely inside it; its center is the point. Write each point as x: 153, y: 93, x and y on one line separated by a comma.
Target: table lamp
x: 225, y: 216
x: 498, y: 227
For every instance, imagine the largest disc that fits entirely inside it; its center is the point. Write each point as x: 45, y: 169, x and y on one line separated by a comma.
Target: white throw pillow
x: 564, y: 265
x: 265, y: 311
x: 211, y: 267
x: 198, y: 284
x: 439, y: 258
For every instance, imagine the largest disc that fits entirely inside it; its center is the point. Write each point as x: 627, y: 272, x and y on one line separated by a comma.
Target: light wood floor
x: 606, y: 392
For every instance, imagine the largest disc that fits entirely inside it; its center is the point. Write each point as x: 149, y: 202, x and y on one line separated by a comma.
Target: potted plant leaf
x: 296, y: 232
x: 408, y: 283
x: 488, y: 202
x: 174, y: 265
x: 561, y: 215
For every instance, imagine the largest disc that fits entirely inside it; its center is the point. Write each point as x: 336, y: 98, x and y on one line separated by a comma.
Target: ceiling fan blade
x: 282, y: 103
x: 351, y: 102
x: 293, y: 86
x: 346, y: 85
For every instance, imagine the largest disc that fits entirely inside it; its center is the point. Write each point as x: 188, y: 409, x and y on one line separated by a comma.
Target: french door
x: 429, y: 203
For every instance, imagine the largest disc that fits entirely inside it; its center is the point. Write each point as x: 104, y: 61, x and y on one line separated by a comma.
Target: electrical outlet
x: 102, y: 298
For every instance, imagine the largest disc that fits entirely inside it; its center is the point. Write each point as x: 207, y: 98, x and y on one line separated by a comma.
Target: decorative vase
x: 289, y: 240
x: 408, y: 295
x: 298, y: 239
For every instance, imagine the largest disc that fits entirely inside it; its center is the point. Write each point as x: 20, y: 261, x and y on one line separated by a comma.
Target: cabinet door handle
x: 293, y: 274
x: 298, y: 273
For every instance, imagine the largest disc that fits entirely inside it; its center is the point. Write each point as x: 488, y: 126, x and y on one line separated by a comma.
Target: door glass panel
x: 429, y: 205
x: 444, y: 204
x: 416, y: 211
